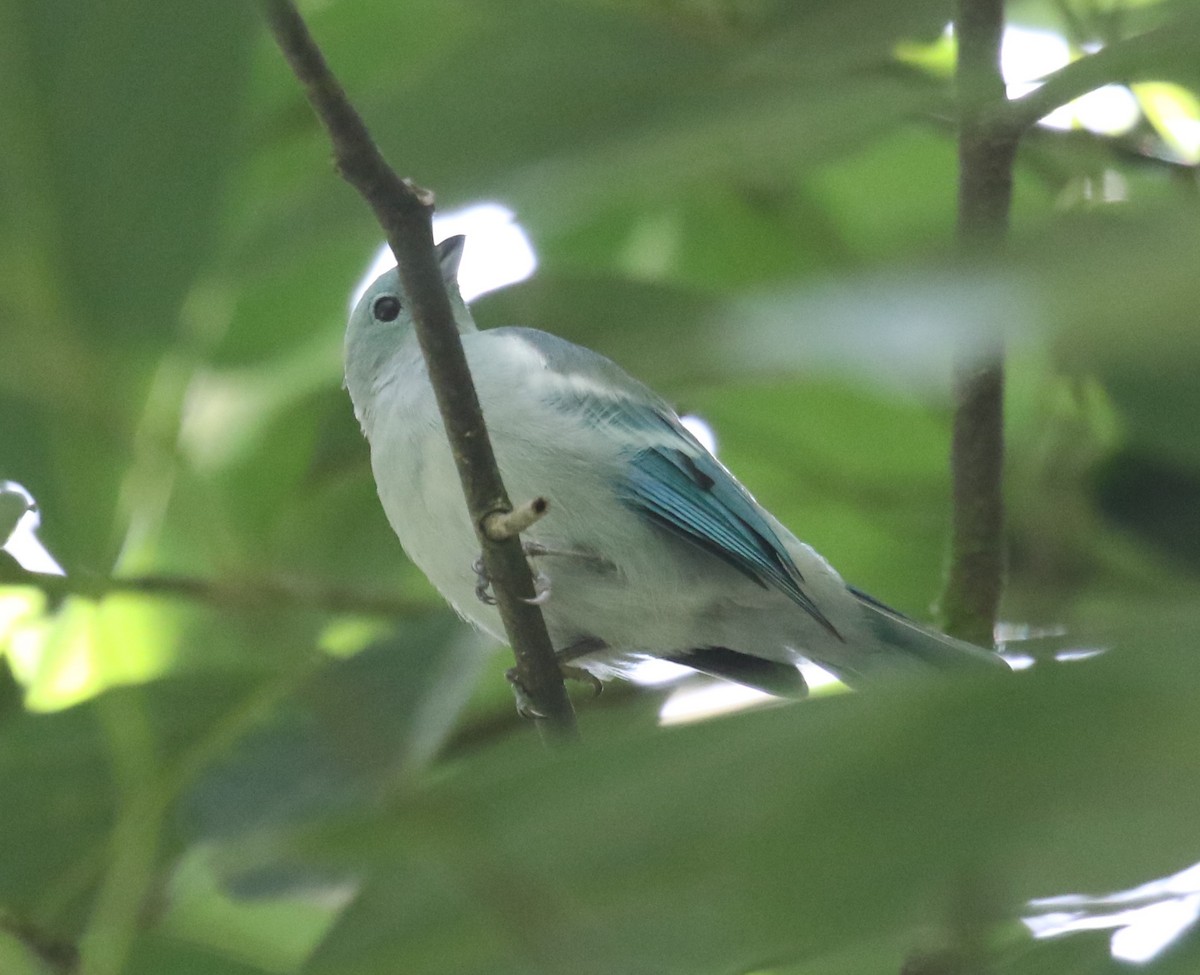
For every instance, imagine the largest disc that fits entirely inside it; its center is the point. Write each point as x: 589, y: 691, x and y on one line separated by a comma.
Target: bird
x: 650, y: 547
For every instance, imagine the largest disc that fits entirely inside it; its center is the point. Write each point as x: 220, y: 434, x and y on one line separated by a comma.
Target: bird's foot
x: 525, y: 706
x: 582, y: 676
x: 541, y: 581
x: 538, y: 550
x: 483, y: 583
x: 541, y: 590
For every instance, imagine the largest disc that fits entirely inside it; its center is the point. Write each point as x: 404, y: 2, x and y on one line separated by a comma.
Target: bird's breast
x: 613, y: 575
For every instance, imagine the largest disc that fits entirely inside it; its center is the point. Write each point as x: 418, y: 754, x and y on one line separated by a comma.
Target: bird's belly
x: 613, y: 577
x: 421, y: 496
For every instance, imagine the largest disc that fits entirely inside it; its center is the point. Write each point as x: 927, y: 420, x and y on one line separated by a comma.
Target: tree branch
x: 232, y: 592
x: 990, y: 127
x: 505, y: 524
x: 405, y: 213
x: 986, y: 154
x: 1139, y: 58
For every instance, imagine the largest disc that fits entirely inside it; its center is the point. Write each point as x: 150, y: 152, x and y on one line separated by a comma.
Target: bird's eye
x: 386, y: 308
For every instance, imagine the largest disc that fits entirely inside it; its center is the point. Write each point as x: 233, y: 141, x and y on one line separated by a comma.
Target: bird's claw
x: 541, y: 590
x: 525, y: 706
x: 482, y: 583
x: 583, y: 677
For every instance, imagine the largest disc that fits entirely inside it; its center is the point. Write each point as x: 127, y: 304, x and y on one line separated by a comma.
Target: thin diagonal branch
x: 1146, y: 57
x: 405, y: 213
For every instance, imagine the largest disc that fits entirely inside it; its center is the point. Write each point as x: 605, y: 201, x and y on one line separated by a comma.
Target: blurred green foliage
x: 306, y: 764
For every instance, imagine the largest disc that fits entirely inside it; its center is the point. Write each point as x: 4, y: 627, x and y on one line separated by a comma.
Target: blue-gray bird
x: 651, y: 548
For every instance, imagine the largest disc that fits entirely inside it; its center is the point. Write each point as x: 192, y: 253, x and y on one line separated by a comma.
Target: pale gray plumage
x: 660, y: 552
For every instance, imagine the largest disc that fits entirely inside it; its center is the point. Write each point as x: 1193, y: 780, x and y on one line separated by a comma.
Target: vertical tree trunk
x: 986, y: 153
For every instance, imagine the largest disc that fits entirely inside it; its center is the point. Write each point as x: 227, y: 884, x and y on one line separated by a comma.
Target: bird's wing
x: 683, y: 488
x: 668, y: 477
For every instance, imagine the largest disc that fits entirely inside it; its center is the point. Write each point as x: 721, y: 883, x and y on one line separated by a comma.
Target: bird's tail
x: 937, y: 650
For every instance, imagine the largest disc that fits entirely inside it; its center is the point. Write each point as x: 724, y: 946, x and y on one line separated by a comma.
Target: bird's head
x: 382, y: 322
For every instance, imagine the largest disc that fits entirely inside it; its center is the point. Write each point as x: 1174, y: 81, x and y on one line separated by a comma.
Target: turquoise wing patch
x: 689, y: 494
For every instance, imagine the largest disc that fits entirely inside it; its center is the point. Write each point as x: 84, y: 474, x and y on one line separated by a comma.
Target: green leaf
x: 781, y: 834
x: 1077, y: 953
x: 154, y: 954
x: 19, y: 958
x: 62, y: 791
x: 135, y: 110
x: 1182, y: 957
x: 357, y: 728
x: 122, y: 124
